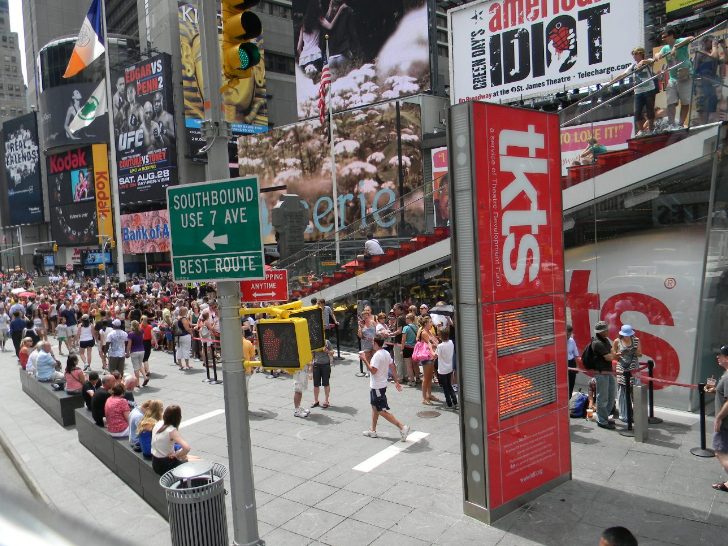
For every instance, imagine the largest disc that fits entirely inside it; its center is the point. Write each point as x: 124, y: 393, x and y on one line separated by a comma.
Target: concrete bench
x: 58, y: 404
x: 116, y: 453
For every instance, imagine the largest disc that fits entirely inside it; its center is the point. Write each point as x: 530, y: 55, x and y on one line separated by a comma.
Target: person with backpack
x: 409, y: 338
x: 600, y: 360
x: 572, y: 354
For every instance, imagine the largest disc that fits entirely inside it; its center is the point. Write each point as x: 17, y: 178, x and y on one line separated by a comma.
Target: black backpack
x: 588, y: 358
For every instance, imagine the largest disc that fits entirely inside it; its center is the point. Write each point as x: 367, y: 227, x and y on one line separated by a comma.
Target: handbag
x: 421, y: 352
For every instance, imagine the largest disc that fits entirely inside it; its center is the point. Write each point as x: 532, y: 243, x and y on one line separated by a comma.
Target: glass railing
x: 663, y: 99
x: 404, y: 227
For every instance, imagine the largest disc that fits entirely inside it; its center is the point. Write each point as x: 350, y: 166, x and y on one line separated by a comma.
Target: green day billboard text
x: 215, y: 230
x: 513, y: 49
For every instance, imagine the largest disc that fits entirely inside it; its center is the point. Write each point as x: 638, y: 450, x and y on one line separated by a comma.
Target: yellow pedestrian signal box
x: 315, y: 318
x: 284, y: 343
x: 239, y: 27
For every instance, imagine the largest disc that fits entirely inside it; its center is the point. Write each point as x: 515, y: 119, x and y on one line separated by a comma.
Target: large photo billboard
x: 245, y: 105
x: 676, y: 9
x: 59, y: 106
x: 144, y: 129
x: 71, y: 196
x: 145, y: 232
x: 378, y: 50
x: 506, y: 50
x: 22, y: 171
x: 366, y: 144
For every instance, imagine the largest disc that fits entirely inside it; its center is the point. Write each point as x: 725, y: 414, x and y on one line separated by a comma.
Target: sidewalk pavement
x: 307, y: 490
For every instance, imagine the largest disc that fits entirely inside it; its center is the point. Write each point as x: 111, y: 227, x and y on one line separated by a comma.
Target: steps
x: 636, y: 148
x: 361, y: 264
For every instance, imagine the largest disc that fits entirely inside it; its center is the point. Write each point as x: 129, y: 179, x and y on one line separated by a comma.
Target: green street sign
x: 215, y: 231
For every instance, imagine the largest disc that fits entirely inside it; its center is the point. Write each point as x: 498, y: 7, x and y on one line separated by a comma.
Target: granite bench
x: 116, y: 453
x: 58, y: 404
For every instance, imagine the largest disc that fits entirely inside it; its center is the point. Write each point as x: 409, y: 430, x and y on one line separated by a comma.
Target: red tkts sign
x: 505, y: 188
x: 273, y: 288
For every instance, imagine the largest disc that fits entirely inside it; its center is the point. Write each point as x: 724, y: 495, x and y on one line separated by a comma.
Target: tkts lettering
x: 541, y: 49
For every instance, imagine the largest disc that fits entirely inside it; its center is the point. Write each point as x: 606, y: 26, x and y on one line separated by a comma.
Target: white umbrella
x: 17, y: 290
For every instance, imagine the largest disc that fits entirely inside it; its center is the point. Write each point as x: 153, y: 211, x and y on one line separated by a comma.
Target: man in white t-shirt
x: 372, y: 246
x: 379, y: 366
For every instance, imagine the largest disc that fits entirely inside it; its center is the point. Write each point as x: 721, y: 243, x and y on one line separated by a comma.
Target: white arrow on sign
x: 269, y: 294
x: 210, y: 239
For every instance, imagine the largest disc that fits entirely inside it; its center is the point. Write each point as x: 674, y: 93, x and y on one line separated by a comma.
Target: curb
x: 20, y: 466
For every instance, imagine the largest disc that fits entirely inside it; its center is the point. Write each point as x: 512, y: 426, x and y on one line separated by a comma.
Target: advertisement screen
x: 612, y: 134
x: 145, y: 232
x: 378, y: 50
x: 441, y: 185
x: 59, y: 106
x: 72, y: 197
x: 22, y: 171
x: 502, y: 53
x: 96, y: 258
x: 245, y: 106
x: 676, y: 9
x: 367, y: 169
x: 144, y: 130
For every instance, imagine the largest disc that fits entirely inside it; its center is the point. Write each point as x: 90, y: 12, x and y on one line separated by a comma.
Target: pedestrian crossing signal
x: 284, y: 343
x: 314, y: 316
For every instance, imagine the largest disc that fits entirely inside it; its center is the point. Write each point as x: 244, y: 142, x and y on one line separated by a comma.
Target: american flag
x: 324, y: 91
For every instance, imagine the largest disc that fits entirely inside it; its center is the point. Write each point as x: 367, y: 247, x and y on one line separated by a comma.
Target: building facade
x: 12, y: 88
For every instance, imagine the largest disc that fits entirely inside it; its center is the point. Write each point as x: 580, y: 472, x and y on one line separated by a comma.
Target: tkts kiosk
x: 509, y: 264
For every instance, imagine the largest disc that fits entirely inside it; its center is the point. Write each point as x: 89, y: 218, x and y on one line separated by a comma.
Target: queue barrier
x: 208, y: 349
x: 702, y: 450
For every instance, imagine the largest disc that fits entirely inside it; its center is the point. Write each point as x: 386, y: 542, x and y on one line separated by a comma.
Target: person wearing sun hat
x: 606, y: 384
x: 627, y: 349
x: 720, y: 423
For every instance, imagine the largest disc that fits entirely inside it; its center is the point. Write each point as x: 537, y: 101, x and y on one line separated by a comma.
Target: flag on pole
x: 90, y: 41
x: 324, y: 91
x: 94, y: 107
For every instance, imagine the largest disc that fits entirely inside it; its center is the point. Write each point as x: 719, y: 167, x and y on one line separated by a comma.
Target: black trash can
x: 196, y: 503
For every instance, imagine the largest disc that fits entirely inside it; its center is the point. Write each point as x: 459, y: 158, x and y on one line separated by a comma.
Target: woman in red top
x: 149, y: 341
x: 25, y: 349
x: 116, y: 411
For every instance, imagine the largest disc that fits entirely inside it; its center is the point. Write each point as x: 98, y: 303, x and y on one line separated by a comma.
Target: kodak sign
x: 102, y: 185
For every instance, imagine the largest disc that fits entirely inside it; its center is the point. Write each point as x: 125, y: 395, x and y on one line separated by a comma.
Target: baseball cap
x: 724, y: 350
x: 116, y: 323
x: 600, y: 327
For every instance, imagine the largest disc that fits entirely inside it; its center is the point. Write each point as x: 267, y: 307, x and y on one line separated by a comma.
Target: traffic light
x: 102, y: 267
x: 315, y: 318
x: 113, y: 243
x: 239, y: 27
x: 284, y: 343
x: 55, y: 247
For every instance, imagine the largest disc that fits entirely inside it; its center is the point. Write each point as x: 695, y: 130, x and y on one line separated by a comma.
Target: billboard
x: 506, y: 50
x: 245, y: 106
x: 22, y: 171
x: 144, y: 130
x: 367, y: 148
x: 676, y: 9
x: 71, y: 197
x: 144, y: 232
x: 59, y: 106
x: 613, y: 134
x: 506, y: 195
x: 102, y: 189
x: 379, y: 50
x: 441, y: 185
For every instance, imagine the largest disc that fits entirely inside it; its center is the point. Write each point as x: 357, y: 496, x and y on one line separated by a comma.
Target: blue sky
x: 16, y: 25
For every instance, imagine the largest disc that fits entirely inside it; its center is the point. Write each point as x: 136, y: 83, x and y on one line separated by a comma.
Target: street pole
x: 242, y: 489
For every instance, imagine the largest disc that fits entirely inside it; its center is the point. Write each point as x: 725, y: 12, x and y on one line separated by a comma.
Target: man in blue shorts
x: 379, y: 367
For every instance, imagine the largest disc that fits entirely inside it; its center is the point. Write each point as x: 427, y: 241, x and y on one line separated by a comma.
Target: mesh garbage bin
x: 196, y: 503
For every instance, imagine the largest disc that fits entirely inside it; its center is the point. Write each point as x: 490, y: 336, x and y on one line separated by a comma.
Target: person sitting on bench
x: 47, y: 365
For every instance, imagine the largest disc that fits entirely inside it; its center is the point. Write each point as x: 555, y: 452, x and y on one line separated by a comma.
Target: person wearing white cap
x: 603, y: 374
x: 117, y: 354
x: 627, y: 349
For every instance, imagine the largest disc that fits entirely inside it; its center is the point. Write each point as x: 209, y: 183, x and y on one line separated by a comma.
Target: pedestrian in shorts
x: 720, y: 424
x: 379, y: 366
x: 300, y: 384
x: 322, y: 374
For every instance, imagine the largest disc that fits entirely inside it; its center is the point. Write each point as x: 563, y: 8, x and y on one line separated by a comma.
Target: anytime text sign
x: 273, y: 288
x: 215, y: 231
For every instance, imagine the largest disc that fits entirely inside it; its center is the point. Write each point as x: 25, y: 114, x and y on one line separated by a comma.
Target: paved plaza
x: 309, y: 492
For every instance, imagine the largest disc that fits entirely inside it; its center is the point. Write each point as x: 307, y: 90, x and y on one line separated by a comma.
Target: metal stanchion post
x: 207, y: 364
x: 651, y: 419
x: 338, y: 345
x: 703, y: 450
x: 628, y: 400
x: 215, y: 381
x: 360, y: 373
x: 640, y: 414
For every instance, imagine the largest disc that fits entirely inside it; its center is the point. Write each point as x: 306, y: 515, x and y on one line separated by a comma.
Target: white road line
x: 203, y: 417
x: 395, y: 449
